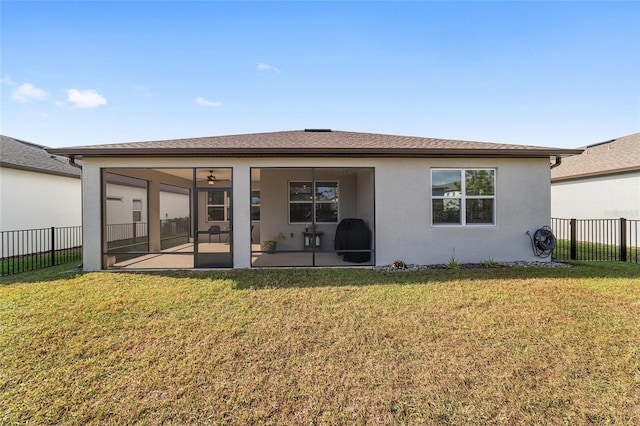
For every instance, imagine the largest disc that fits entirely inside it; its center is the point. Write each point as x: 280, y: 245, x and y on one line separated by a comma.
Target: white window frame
x: 224, y: 205
x: 258, y: 204
x: 463, y: 197
x: 134, y: 210
x: 311, y: 202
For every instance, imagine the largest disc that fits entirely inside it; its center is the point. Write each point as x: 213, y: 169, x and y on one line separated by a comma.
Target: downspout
x: 557, y: 163
x: 72, y: 161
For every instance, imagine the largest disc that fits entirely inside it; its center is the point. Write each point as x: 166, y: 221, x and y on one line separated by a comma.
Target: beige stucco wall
x: 602, y: 197
x: 402, y: 206
x: 403, y: 212
x: 30, y: 200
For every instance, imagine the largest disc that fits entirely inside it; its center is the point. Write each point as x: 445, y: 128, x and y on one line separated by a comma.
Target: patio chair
x: 215, y: 230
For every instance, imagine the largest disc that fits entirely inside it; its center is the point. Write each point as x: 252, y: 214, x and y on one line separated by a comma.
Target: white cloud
x: 202, y: 101
x: 86, y: 98
x: 7, y: 80
x: 267, y: 67
x: 28, y: 92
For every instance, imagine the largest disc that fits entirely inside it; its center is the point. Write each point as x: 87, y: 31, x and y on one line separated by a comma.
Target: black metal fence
x: 127, y: 236
x: 174, y: 232
x: 127, y: 241
x: 29, y: 249
x: 597, y: 239
x: 134, y: 237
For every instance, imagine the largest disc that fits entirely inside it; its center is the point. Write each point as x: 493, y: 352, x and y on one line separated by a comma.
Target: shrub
x: 453, y: 263
x: 490, y: 263
x: 399, y: 265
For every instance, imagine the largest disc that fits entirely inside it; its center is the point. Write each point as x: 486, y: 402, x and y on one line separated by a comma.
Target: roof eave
x: 38, y: 170
x: 313, y: 152
x: 595, y: 174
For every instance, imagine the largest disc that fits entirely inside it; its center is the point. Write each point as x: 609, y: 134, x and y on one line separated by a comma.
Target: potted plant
x: 270, y: 245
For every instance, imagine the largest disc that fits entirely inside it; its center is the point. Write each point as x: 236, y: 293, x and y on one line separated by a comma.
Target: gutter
x: 596, y: 174
x: 312, y: 152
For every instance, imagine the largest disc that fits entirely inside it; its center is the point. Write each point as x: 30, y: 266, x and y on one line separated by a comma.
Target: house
x: 37, y: 189
x: 603, y: 182
x: 27, y: 168
x: 327, y: 198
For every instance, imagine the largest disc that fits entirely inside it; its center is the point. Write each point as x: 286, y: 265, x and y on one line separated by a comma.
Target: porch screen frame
x: 106, y: 253
x: 313, y: 250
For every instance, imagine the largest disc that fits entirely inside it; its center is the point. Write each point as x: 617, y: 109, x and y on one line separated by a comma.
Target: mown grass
x: 589, y: 251
x: 326, y: 346
x: 31, y: 262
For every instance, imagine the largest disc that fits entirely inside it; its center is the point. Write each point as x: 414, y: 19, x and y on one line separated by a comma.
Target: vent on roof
x: 317, y: 130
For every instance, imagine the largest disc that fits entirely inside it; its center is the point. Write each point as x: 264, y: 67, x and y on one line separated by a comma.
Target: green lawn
x: 326, y: 346
x: 31, y: 262
x: 594, y: 251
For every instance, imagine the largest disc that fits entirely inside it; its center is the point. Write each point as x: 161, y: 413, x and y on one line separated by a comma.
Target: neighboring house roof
x: 313, y: 142
x: 17, y: 154
x: 614, y: 156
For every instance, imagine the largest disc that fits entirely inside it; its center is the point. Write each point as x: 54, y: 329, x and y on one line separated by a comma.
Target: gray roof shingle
x: 614, y: 156
x: 17, y: 154
x: 320, y: 143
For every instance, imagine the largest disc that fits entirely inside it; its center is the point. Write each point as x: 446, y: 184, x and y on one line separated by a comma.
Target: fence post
x: 53, y: 246
x: 573, y: 255
x: 623, y: 239
x: 135, y: 232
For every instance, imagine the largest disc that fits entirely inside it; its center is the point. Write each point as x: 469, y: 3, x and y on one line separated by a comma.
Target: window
x: 471, y: 191
x: 304, y: 195
x: 217, y: 206
x: 137, y: 210
x: 255, y: 205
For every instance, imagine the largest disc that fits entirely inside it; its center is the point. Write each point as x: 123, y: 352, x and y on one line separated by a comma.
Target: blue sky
x: 562, y: 74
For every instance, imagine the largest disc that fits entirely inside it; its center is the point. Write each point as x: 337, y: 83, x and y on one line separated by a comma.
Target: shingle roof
x: 614, y: 156
x: 17, y: 154
x: 312, y: 143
